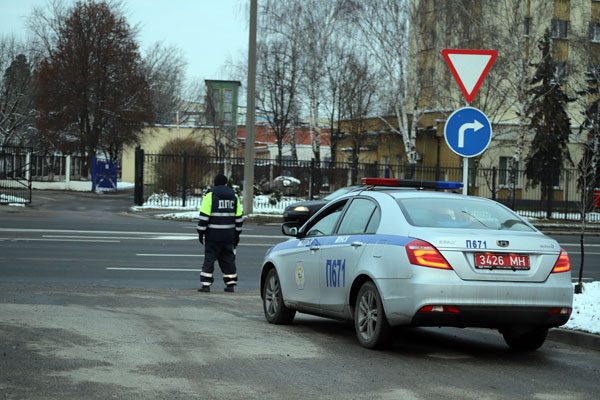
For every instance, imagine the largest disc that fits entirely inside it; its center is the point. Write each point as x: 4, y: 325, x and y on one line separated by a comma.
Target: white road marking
x: 157, y: 235
x: 91, y: 237
x: 59, y: 240
x: 155, y: 269
x: 169, y: 255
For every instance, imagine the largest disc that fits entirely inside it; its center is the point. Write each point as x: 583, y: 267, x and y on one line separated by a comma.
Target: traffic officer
x: 220, y: 224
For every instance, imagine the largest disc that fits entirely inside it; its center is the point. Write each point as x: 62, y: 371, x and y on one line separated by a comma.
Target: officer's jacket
x: 220, y: 215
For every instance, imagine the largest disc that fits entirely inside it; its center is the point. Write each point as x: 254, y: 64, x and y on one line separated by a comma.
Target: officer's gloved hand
x: 201, y: 238
x: 236, y: 241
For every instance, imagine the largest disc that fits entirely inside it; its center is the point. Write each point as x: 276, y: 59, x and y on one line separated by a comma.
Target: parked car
x: 287, y: 185
x: 301, y: 211
x: 385, y: 257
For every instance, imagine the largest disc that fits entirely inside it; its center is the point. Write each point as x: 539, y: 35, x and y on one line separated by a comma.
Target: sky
x: 209, y: 32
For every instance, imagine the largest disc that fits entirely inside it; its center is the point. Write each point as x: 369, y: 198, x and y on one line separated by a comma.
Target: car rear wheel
x: 524, y: 339
x: 370, y: 323
x: 275, y: 310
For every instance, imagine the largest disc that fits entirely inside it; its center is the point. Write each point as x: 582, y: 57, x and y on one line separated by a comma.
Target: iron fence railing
x: 15, y: 176
x: 181, y: 179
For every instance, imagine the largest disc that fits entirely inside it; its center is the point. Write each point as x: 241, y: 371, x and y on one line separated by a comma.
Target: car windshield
x: 338, y: 193
x: 441, y: 212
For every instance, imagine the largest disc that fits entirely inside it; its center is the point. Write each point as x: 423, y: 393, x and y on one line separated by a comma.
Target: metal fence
x: 180, y: 178
x: 15, y: 177
x: 56, y: 167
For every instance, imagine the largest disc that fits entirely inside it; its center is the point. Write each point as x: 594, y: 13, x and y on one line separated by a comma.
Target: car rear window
x: 460, y: 213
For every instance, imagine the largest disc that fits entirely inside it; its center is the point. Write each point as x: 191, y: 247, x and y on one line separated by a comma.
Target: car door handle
x: 314, y: 247
x: 356, y: 244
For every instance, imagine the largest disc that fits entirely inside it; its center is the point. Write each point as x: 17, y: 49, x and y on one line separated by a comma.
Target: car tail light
x: 562, y: 264
x: 424, y: 254
x: 439, y: 308
x: 560, y: 311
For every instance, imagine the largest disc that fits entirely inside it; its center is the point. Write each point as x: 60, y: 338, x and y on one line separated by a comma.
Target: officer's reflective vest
x: 220, y: 215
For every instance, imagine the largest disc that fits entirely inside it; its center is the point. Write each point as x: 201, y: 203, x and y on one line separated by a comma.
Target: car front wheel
x: 370, y: 323
x: 524, y: 339
x: 275, y: 310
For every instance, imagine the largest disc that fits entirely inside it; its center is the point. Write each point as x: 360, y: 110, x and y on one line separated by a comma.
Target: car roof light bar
x: 392, y: 182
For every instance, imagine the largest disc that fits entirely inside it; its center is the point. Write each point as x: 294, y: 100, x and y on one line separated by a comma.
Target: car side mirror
x: 289, y: 228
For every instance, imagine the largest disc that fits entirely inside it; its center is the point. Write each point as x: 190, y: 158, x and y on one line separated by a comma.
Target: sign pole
x: 465, y: 175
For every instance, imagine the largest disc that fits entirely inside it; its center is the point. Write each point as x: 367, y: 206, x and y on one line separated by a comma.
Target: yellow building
x: 154, y: 138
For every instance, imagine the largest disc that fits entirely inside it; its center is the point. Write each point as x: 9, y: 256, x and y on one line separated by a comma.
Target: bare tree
x: 358, y: 95
x: 277, y: 83
x: 336, y: 76
x: 385, y: 32
x: 17, y: 111
x: 164, y: 69
x: 280, y: 69
x: 318, y: 25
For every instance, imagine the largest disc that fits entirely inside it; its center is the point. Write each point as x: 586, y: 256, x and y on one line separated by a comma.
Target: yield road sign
x: 468, y: 132
x: 469, y: 68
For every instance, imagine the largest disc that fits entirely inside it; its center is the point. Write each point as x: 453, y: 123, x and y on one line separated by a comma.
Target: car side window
x: 357, y: 218
x: 374, y: 221
x: 326, y: 224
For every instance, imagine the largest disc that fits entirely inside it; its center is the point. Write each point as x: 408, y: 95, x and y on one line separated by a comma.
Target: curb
x: 575, y: 338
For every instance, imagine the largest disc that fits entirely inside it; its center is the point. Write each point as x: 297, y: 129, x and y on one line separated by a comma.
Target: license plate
x: 501, y: 261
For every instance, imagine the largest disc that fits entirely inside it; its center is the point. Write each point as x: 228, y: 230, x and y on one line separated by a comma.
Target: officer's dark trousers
x: 222, y: 252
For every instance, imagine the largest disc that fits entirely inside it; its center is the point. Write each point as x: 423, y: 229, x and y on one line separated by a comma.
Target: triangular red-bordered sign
x: 469, y: 68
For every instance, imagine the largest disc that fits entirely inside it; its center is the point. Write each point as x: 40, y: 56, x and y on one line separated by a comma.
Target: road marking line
x: 579, y: 245
x: 59, y: 240
x: 129, y: 233
x: 169, y: 255
x: 261, y: 244
x: 155, y: 269
x: 93, y: 237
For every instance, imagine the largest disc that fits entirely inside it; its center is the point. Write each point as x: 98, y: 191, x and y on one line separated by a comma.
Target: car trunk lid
x: 492, y: 255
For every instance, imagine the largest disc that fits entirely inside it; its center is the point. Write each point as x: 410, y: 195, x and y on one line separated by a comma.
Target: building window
x: 228, y: 100
x: 428, y: 77
x: 559, y: 28
x: 560, y: 69
x: 227, y: 118
x: 468, y: 32
x: 228, y: 96
x: 526, y: 24
x: 216, y: 98
x: 595, y: 31
x: 504, y: 172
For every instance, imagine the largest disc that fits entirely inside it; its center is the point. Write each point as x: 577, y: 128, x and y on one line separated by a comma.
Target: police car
x: 388, y: 256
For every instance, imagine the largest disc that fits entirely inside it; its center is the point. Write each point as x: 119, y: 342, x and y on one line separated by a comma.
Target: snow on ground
x: 586, y: 314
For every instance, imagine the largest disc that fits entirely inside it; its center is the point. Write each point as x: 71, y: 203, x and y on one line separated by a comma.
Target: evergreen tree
x: 549, y: 120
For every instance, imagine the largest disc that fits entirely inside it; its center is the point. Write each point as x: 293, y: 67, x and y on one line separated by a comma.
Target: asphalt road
x: 97, y: 303
x: 87, y: 239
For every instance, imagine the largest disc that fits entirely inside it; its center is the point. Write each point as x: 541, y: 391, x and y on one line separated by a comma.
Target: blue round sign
x: 468, y: 132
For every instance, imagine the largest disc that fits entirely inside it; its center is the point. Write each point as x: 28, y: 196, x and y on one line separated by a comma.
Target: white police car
x: 387, y: 257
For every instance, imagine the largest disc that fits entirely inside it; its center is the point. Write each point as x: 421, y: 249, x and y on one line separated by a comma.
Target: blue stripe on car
x: 336, y: 240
